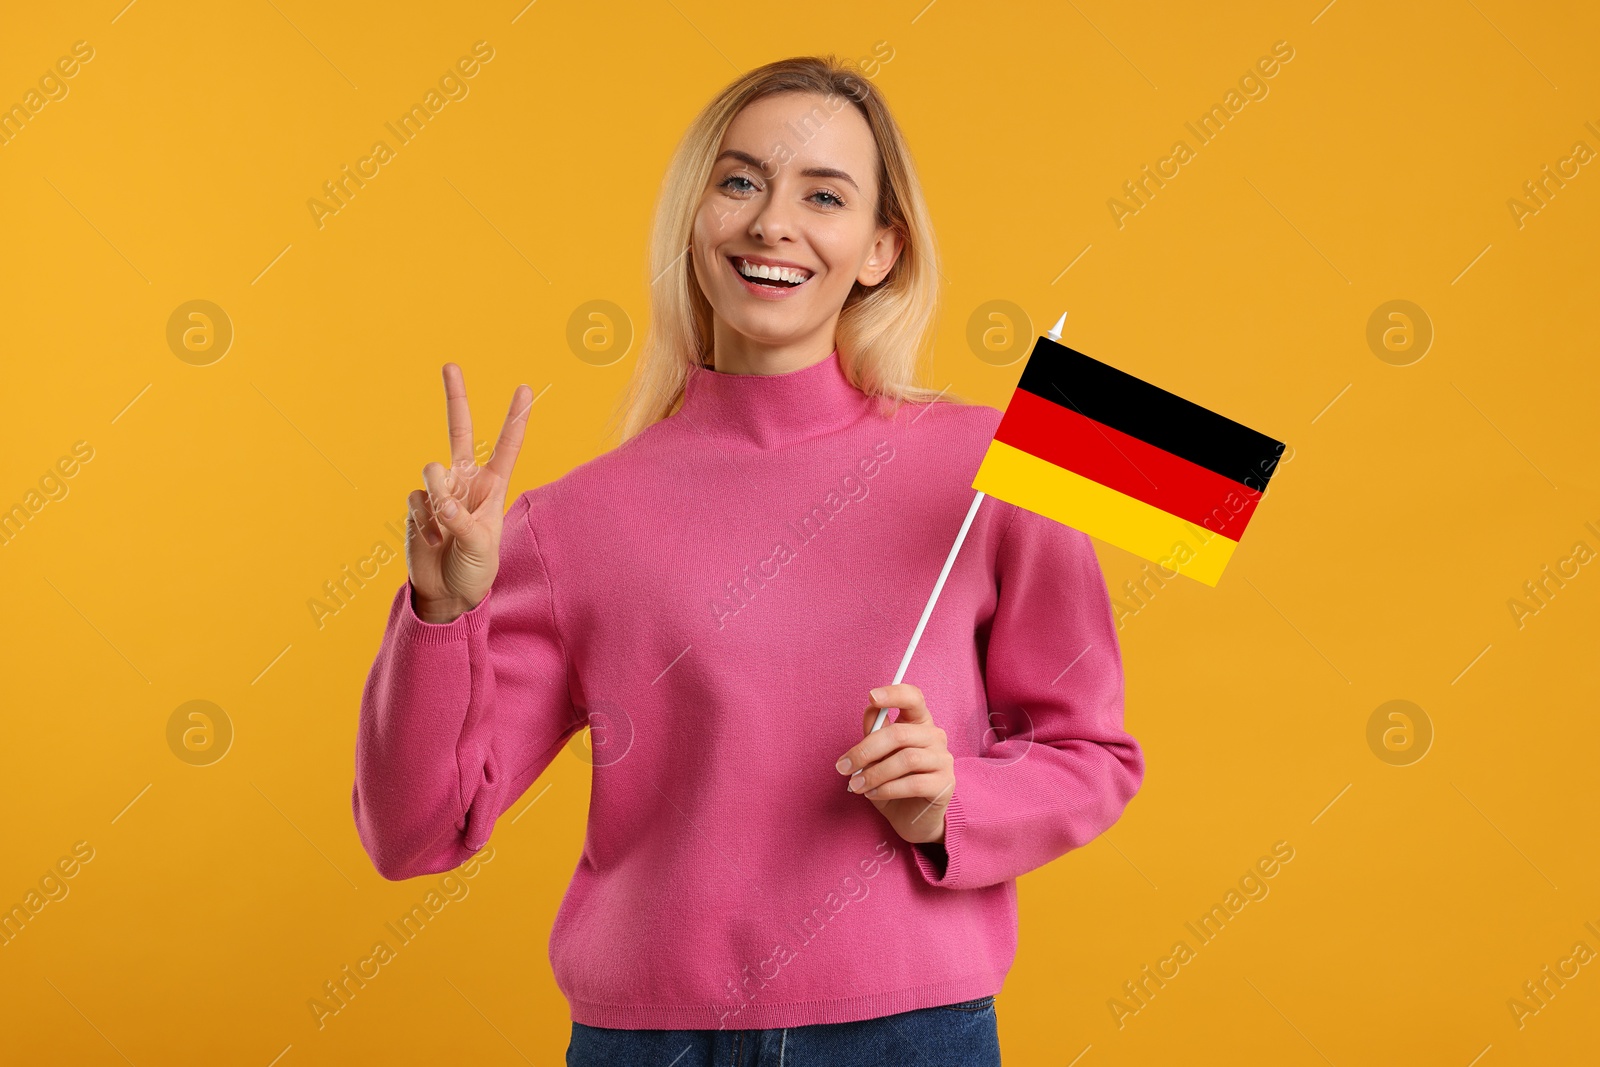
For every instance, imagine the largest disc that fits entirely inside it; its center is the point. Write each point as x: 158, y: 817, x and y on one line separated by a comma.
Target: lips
x: 767, y: 290
x: 759, y: 268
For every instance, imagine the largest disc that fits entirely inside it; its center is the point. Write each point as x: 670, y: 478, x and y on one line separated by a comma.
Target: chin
x: 769, y: 334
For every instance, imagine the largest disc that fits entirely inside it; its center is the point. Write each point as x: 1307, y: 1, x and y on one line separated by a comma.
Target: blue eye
x: 834, y: 200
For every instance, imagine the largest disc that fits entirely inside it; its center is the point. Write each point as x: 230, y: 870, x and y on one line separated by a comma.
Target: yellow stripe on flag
x: 1056, y: 493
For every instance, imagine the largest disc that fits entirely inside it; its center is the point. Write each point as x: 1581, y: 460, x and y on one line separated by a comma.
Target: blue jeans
x: 951, y: 1035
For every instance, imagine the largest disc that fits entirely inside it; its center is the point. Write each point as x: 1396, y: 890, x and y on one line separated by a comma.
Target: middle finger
x: 902, y: 762
x: 894, y: 735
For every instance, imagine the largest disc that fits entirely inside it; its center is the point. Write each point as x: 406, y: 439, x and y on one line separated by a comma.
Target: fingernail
x: 843, y: 765
x: 448, y: 508
x: 876, y: 695
x: 857, y: 781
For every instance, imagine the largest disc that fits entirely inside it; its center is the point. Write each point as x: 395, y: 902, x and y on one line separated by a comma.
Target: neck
x: 734, y: 353
x: 774, y: 409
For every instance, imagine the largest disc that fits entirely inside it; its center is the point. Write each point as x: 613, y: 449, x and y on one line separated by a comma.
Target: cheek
x: 716, y: 221
x: 839, y: 252
x: 704, y: 224
x: 704, y: 238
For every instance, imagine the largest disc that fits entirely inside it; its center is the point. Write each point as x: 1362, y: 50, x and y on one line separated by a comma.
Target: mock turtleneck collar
x: 767, y: 411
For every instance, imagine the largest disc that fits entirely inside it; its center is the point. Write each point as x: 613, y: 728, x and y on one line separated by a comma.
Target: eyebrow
x: 810, y: 172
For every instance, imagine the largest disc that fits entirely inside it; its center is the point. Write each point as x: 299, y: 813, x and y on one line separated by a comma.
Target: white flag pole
x: 949, y: 561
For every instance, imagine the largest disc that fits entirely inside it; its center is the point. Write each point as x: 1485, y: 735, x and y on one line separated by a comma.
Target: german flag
x: 1098, y: 449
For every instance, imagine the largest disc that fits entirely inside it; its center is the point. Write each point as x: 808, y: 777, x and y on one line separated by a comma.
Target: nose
x: 772, y: 221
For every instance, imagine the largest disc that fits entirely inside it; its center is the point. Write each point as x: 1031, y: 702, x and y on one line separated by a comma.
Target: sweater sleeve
x: 458, y: 719
x: 1056, y: 767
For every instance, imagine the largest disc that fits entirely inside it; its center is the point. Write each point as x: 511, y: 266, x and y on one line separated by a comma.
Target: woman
x: 714, y: 597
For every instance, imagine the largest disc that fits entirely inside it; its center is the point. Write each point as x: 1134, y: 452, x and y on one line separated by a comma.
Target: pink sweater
x: 714, y: 599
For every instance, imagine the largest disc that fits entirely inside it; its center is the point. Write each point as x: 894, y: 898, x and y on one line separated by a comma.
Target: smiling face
x: 785, y: 229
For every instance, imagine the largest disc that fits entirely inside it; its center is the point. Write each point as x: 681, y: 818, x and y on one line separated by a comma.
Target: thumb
x: 870, y: 720
x: 882, y: 702
x: 903, y: 695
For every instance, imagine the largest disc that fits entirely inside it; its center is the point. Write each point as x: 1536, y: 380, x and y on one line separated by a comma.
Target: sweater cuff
x: 414, y: 630
x: 955, y: 822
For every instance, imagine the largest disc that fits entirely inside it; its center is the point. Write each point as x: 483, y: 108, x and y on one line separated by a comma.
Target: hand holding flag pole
x: 1098, y: 449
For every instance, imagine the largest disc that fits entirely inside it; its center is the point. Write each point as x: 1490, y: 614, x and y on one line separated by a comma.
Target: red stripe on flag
x: 1136, y: 468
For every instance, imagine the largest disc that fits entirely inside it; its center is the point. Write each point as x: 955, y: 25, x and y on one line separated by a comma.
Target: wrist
x: 438, y: 612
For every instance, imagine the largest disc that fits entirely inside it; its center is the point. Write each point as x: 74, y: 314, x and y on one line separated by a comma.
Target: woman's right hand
x: 454, y: 557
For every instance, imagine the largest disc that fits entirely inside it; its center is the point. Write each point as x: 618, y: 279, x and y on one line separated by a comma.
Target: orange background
x: 1416, y: 502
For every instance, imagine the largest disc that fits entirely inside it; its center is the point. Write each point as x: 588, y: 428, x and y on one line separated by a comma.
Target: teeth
x: 782, y: 274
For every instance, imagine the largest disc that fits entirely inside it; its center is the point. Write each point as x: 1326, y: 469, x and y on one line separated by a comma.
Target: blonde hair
x: 883, y: 331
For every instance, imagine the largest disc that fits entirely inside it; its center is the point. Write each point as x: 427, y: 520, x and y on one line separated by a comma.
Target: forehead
x: 804, y: 128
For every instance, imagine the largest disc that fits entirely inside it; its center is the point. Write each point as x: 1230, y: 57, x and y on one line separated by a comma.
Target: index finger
x: 510, y: 442
x: 457, y: 414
